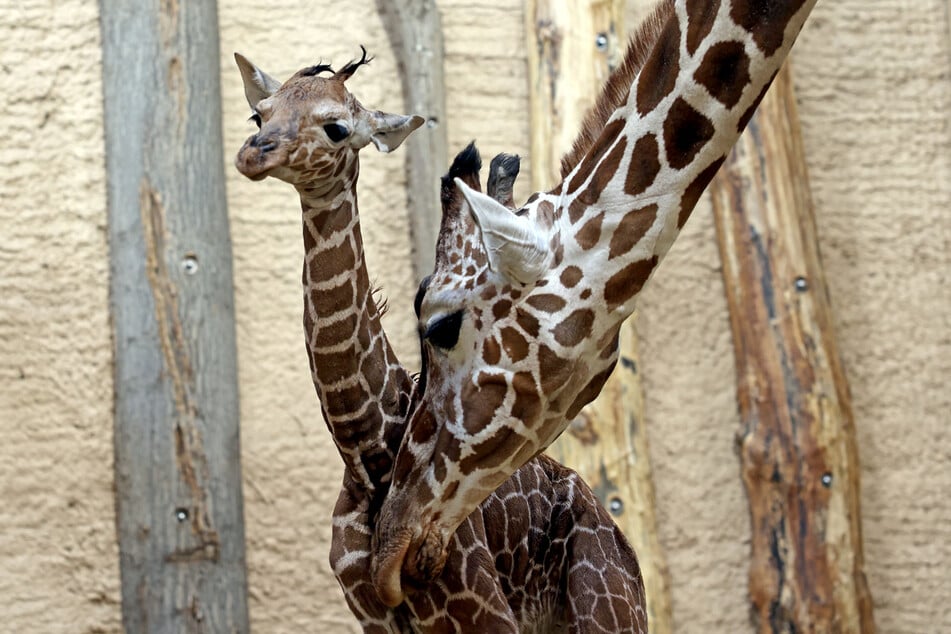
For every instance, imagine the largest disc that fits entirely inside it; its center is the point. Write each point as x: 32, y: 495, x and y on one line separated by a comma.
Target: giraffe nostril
x: 263, y: 144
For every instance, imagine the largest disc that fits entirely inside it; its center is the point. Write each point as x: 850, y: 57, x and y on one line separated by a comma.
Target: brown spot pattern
x: 644, y: 167
x: 631, y: 229
x: 346, y: 400
x: 514, y: 344
x: 546, y: 302
x: 491, y: 453
x: 605, y: 173
x: 329, y: 302
x: 589, y: 235
x: 331, y: 366
x: 574, y: 328
x: 338, y: 331
x: 527, y: 405
x: 686, y: 131
x: 342, y: 259
x: 571, y: 276
x: 627, y: 282
x: 589, y: 392
x: 725, y: 72
x: 766, y: 20
x: 483, y: 400
x: 700, y: 18
x: 491, y: 352
x: 576, y: 210
x: 527, y: 321
x: 601, y: 146
x: 659, y: 74
x: 501, y: 308
x: 695, y: 190
x: 745, y: 118
x: 552, y: 370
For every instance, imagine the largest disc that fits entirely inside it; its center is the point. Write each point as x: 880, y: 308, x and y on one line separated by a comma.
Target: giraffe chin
x: 417, y: 561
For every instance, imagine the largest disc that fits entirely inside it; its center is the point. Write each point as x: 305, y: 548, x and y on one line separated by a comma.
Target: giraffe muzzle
x: 408, y: 557
x: 259, y: 155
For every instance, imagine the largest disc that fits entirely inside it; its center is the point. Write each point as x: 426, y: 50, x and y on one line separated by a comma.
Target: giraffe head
x: 311, y: 126
x: 510, y: 351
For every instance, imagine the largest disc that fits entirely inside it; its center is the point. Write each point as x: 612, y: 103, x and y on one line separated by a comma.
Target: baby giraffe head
x: 510, y: 350
x: 311, y: 127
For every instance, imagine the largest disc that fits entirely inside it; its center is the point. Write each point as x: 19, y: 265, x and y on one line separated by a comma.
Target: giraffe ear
x: 258, y: 85
x: 388, y: 131
x: 513, y: 245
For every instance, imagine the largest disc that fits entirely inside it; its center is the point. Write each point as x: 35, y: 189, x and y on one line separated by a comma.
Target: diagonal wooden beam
x: 571, y: 48
x: 415, y: 32
x: 177, y: 461
x: 798, y: 451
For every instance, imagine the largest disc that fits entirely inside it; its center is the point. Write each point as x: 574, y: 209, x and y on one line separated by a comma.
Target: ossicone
x: 351, y: 67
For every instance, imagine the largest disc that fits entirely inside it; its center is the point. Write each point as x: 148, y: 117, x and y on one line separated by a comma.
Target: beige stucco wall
x: 874, y: 86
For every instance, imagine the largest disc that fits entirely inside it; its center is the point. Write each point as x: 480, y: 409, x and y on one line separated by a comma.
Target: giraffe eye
x: 444, y: 332
x: 336, y: 132
x: 257, y: 119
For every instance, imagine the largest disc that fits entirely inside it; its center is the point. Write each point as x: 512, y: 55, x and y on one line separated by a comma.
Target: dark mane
x: 617, y: 88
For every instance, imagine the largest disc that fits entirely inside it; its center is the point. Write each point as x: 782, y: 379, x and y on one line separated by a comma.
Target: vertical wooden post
x: 178, y: 481
x: 572, y: 48
x: 797, y: 442
x: 415, y: 31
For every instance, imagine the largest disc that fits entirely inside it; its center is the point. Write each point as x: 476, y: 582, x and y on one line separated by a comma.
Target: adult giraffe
x: 520, y: 318
x: 540, y: 553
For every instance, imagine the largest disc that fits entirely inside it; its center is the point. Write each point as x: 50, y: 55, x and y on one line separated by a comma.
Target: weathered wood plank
x: 797, y: 443
x: 178, y: 482
x: 415, y: 31
x: 572, y: 47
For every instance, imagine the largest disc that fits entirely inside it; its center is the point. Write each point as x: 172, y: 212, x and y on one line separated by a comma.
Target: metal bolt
x: 432, y: 122
x: 827, y: 480
x: 181, y: 514
x: 190, y: 264
x: 616, y: 506
x: 802, y: 284
x: 601, y: 42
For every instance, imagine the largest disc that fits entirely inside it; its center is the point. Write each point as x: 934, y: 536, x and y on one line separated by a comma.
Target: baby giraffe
x: 539, y: 554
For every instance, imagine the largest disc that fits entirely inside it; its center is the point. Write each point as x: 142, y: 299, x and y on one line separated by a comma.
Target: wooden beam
x: 572, y: 48
x: 797, y: 443
x: 415, y: 31
x: 178, y: 481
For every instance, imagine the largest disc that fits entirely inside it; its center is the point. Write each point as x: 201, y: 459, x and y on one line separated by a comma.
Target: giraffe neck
x: 634, y: 188
x: 363, y: 391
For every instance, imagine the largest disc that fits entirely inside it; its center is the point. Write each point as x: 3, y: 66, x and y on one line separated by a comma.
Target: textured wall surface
x: 58, y: 556
x: 874, y: 87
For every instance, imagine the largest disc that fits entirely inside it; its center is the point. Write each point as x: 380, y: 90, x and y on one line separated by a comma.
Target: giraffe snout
x: 263, y: 143
x: 261, y: 154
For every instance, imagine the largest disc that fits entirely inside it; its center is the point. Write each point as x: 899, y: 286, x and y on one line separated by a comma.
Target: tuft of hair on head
x: 315, y: 70
x: 617, y: 88
x: 466, y: 165
x: 351, y: 67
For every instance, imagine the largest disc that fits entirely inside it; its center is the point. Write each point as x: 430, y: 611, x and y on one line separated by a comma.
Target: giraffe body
x: 539, y: 554
x: 520, y: 318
